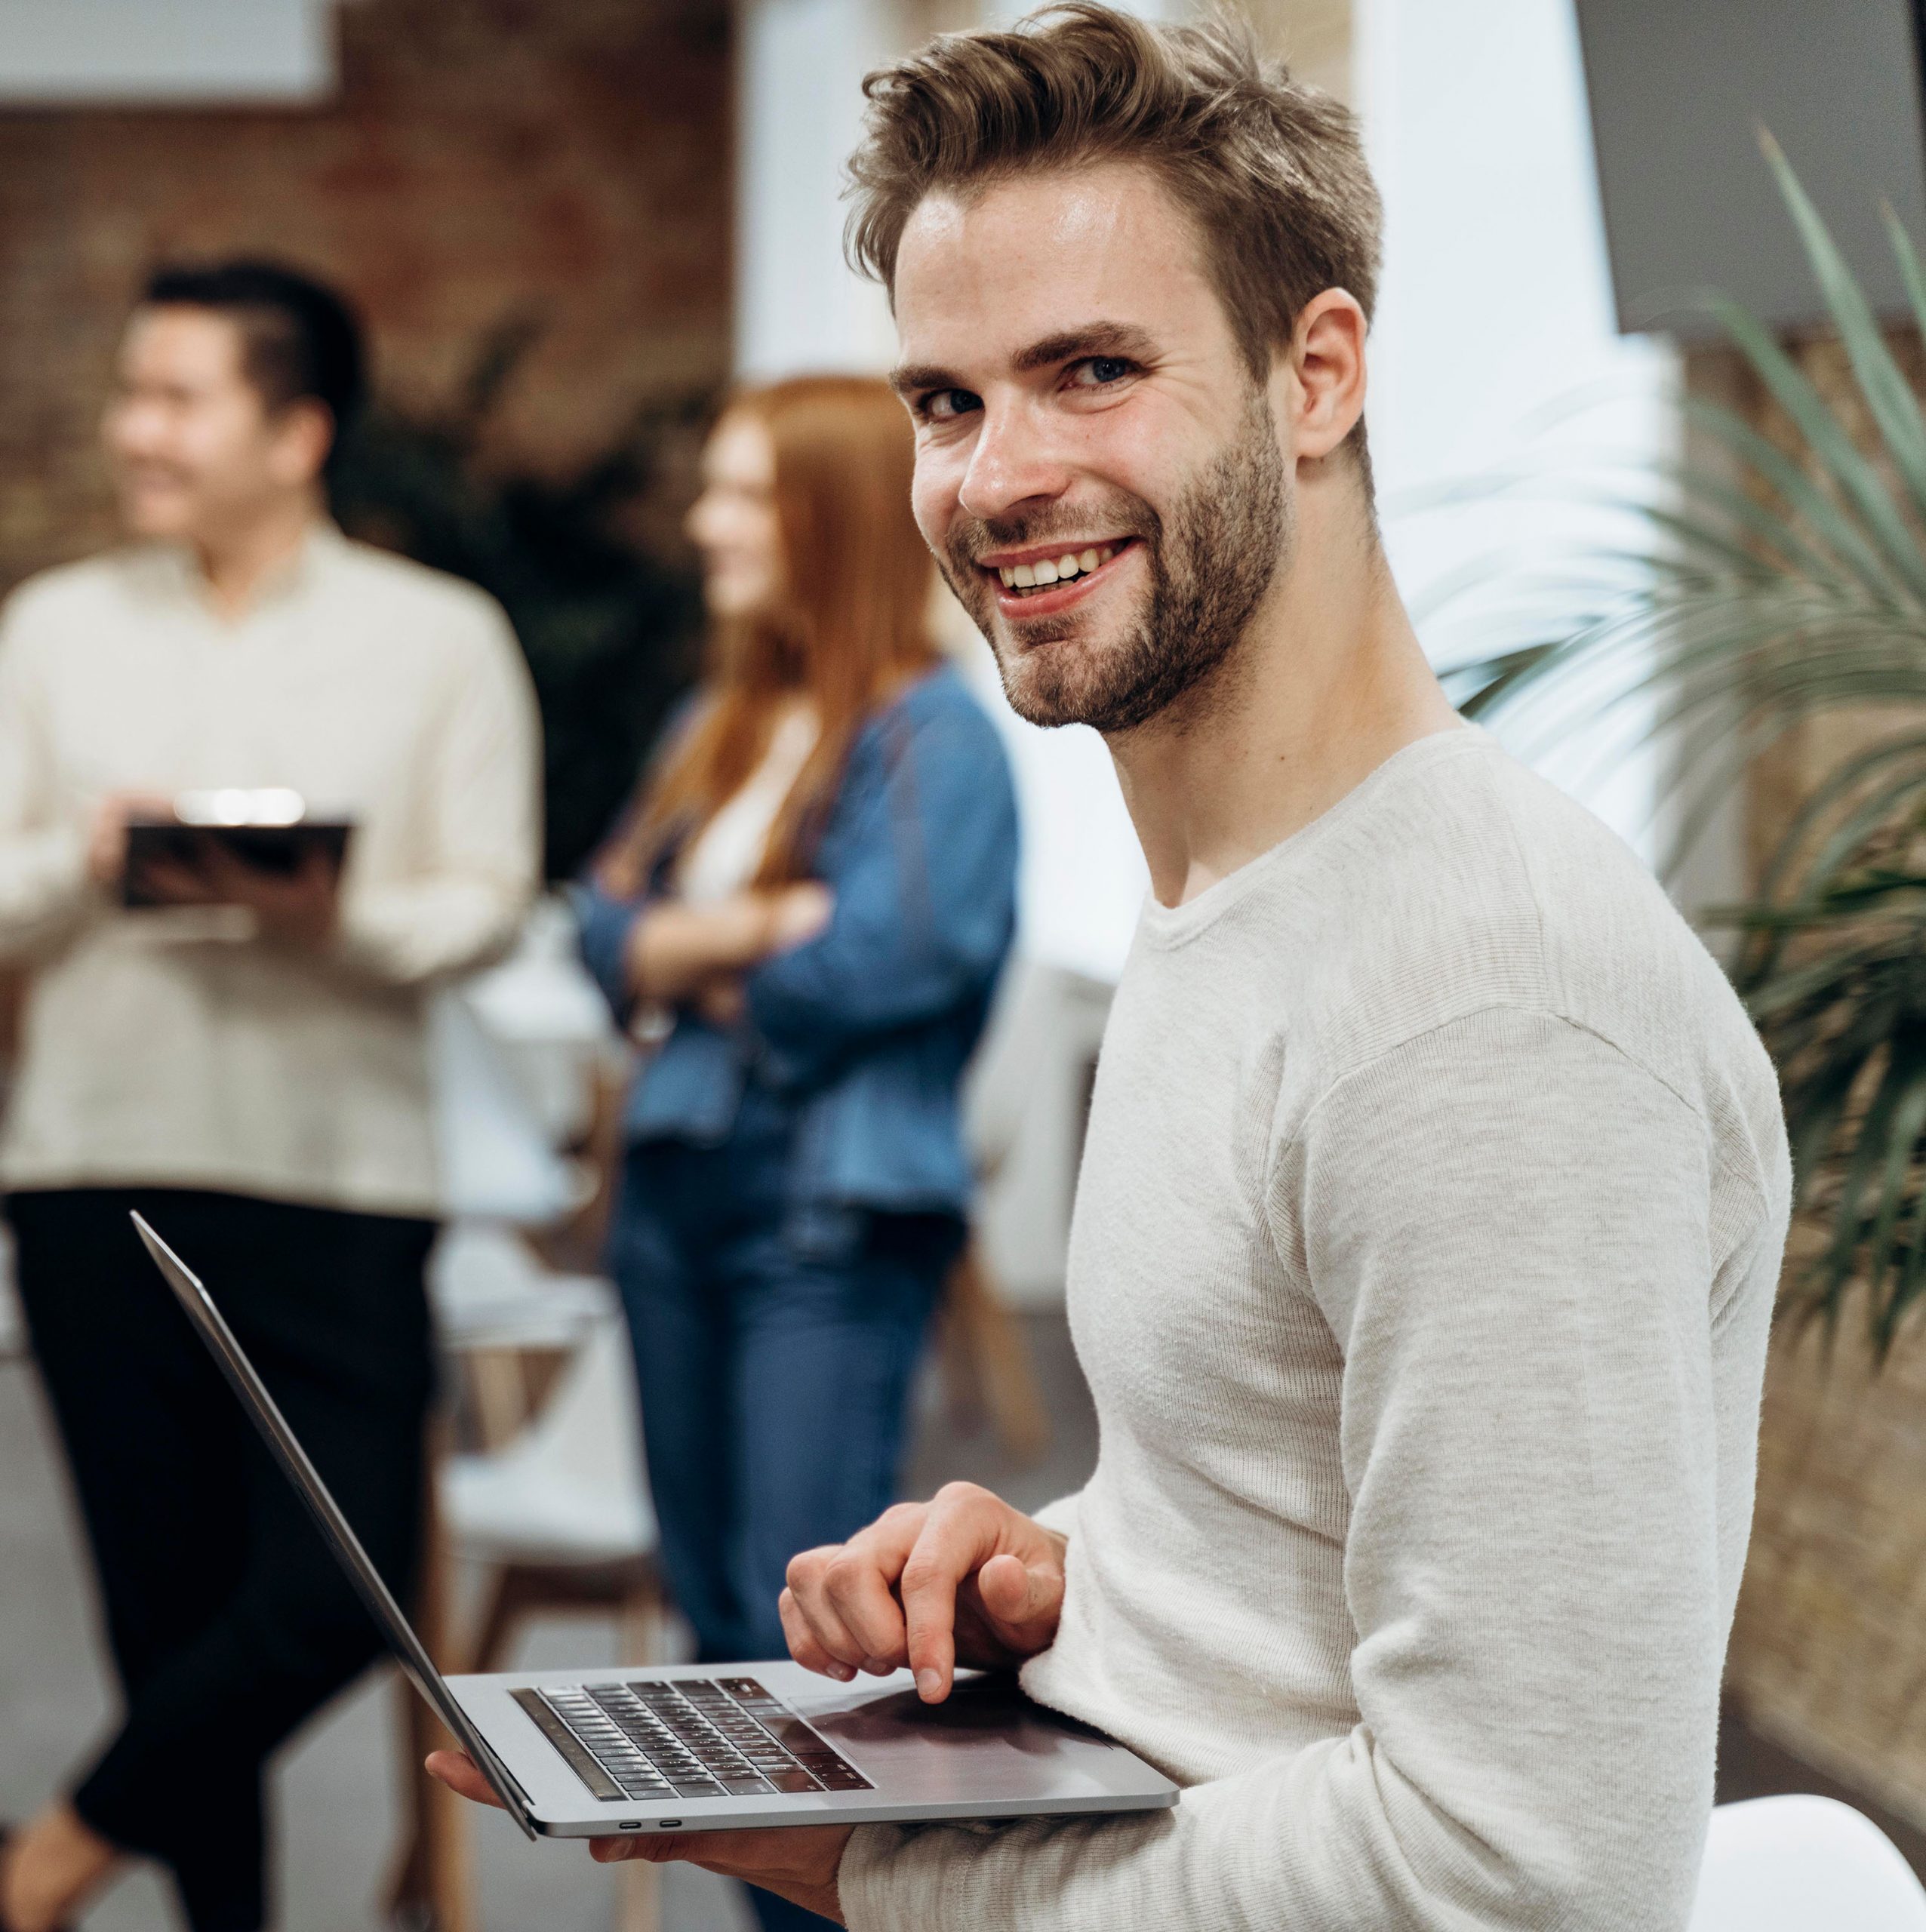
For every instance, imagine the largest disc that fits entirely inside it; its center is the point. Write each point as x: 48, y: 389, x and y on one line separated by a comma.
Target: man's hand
x: 106, y: 837
x: 301, y: 908
x: 798, y: 1862
x: 964, y: 1579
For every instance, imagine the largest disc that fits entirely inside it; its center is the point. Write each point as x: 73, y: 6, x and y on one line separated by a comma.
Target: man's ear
x: 304, y: 434
x: 1327, y: 368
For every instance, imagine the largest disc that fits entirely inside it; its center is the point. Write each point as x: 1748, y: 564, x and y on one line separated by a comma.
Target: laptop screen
x: 408, y: 1648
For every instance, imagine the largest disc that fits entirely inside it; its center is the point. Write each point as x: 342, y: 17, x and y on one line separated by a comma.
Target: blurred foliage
x: 603, y: 595
x: 1784, y: 581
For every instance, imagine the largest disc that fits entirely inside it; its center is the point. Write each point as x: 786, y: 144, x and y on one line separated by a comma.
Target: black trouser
x: 228, y: 1620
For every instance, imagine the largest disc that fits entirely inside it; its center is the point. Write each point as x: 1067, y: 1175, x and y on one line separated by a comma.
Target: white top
x: 727, y: 853
x: 1423, y: 1255
x: 162, y: 1051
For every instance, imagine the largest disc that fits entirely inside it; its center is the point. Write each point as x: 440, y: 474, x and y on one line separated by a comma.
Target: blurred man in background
x: 244, y: 1063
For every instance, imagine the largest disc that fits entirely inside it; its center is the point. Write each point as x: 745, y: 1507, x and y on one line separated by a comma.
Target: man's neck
x: 1328, y: 682
x: 237, y: 565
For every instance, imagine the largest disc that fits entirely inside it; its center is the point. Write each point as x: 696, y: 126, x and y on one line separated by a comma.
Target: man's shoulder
x: 78, y: 592
x: 1616, y: 955
x: 1499, y: 882
x: 452, y: 607
x: 1472, y: 884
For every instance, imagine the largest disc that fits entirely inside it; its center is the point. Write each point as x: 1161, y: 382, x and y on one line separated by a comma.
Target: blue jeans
x: 773, y: 1381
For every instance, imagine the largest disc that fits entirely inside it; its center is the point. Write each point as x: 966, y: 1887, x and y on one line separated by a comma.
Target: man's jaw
x: 1044, y: 580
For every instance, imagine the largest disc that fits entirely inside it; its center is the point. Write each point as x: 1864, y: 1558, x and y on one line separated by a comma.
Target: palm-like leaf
x: 1784, y: 585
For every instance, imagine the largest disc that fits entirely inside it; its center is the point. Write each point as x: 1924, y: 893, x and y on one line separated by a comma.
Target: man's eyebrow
x: 914, y: 376
x: 1124, y: 340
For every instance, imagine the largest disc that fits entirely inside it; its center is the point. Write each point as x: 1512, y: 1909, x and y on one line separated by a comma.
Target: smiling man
x: 1435, y: 1183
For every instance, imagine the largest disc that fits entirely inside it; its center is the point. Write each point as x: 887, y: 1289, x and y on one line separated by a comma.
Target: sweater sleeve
x: 44, y: 885
x: 1507, y: 1225
x: 480, y: 783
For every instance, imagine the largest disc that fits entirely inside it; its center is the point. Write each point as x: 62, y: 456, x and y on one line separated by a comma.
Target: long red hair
x: 853, y: 627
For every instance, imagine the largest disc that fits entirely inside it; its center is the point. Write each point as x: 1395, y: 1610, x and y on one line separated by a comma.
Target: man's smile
x: 1046, y: 578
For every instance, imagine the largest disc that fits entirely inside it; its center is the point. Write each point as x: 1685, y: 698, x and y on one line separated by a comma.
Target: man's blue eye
x: 1108, y: 368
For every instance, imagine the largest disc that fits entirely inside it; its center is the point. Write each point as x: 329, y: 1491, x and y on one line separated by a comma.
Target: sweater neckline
x: 1176, y: 925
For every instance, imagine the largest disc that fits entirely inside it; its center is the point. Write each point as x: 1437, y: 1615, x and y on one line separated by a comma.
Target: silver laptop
x: 589, y: 1754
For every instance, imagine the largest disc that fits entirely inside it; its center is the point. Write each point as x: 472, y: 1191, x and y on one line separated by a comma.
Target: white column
x: 1495, y: 323
x: 798, y: 306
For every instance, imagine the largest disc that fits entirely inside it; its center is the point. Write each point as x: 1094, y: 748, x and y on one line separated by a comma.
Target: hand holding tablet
x: 255, y: 849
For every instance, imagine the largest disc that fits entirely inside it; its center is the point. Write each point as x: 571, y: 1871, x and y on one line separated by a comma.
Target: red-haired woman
x: 810, y: 904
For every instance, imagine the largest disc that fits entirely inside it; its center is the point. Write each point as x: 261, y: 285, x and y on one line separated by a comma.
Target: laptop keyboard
x: 686, y: 1738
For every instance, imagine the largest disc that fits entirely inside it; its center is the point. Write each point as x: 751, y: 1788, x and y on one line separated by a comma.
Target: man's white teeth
x: 1047, y: 571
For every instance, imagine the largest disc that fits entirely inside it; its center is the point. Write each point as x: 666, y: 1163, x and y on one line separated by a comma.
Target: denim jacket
x: 865, y: 1029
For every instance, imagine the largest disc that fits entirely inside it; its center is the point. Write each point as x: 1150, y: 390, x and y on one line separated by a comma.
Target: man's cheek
x: 933, y: 508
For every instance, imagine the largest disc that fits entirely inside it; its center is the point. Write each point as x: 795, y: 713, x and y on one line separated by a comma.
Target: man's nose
x: 135, y: 428
x: 1012, y: 463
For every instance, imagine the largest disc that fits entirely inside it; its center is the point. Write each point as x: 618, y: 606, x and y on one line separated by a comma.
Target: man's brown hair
x: 1271, y: 170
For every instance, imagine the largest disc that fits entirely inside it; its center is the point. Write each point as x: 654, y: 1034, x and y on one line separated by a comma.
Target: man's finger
x: 806, y: 1590
x: 1016, y: 1594
x: 957, y: 1536
x: 884, y: 1548
x: 802, y: 1640
x: 853, y: 1583
x: 661, y: 1850
x: 456, y: 1769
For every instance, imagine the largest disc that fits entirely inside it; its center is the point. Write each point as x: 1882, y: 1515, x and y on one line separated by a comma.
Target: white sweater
x: 1425, y: 1246
x: 159, y: 1049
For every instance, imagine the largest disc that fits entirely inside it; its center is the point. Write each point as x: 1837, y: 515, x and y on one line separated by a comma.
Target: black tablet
x: 281, y: 849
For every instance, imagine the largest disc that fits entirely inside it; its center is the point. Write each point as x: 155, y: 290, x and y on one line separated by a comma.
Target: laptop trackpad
x: 987, y: 1739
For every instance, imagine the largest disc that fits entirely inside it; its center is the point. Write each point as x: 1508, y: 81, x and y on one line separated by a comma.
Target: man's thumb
x: 1014, y: 1593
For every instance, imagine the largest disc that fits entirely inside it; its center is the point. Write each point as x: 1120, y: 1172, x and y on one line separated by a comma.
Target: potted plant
x: 1783, y: 579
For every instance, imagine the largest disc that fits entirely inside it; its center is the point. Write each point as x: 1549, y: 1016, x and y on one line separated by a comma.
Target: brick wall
x: 563, y: 160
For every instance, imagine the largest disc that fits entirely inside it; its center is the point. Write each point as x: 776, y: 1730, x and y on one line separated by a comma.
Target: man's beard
x: 1210, y: 562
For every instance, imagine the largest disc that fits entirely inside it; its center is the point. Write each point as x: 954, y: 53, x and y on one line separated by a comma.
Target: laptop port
x: 668, y: 1824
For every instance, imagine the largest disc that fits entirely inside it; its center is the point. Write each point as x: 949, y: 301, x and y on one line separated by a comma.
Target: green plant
x: 1779, y: 580
x: 604, y: 601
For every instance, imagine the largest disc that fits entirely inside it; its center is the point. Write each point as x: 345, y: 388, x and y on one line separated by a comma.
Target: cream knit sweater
x: 1428, y: 1230
x: 163, y: 1050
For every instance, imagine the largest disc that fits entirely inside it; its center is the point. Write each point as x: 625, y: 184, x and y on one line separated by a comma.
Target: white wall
x: 162, y: 52
x: 798, y: 306
x: 1496, y: 311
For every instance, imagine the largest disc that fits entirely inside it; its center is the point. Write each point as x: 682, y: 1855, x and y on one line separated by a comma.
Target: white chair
x: 556, y: 1518
x: 515, y: 1052
x: 1025, y: 1101
x: 502, y: 1314
x: 1803, y: 1864
x: 568, y: 1490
